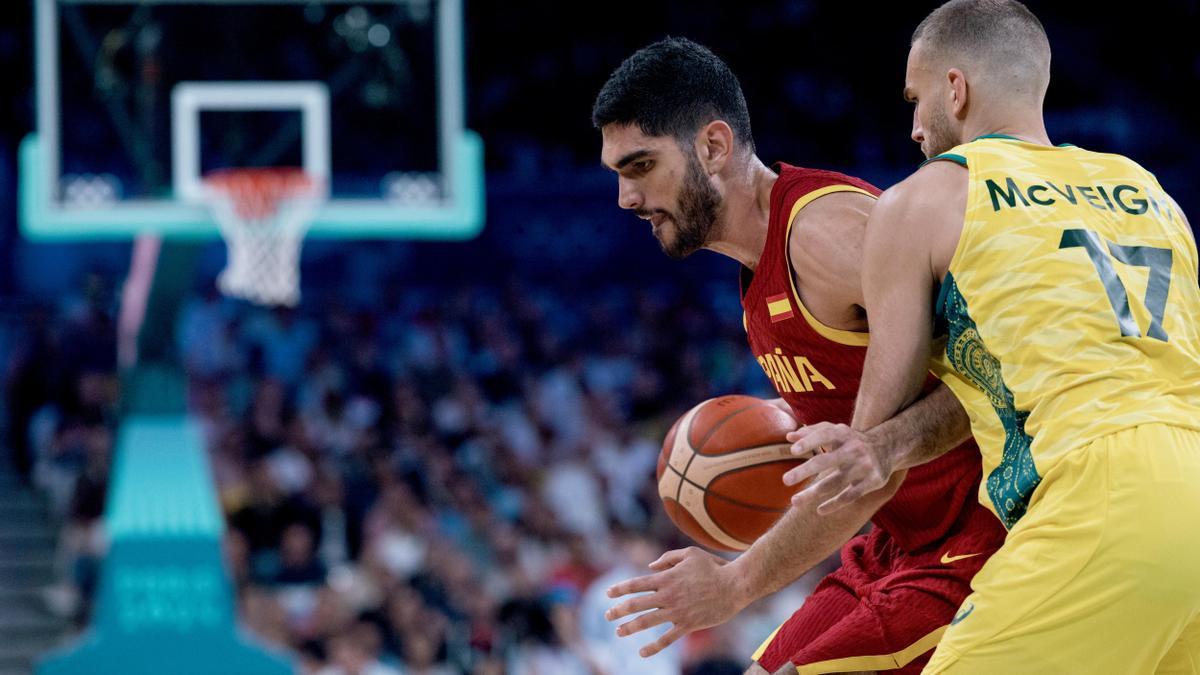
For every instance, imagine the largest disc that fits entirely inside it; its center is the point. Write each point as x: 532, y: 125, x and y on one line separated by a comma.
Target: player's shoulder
x: 921, y: 216
x: 826, y: 209
x: 838, y: 205
x: 936, y: 187
x: 830, y: 220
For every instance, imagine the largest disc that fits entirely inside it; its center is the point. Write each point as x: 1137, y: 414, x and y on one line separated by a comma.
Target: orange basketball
x: 720, y: 474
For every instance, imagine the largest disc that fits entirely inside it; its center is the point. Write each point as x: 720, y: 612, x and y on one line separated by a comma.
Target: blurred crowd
x: 444, y: 483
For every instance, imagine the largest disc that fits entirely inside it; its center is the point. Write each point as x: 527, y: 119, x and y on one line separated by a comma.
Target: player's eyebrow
x: 630, y: 158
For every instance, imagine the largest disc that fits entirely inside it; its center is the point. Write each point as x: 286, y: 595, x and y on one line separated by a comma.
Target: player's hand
x: 783, y: 405
x: 847, y: 465
x: 691, y: 588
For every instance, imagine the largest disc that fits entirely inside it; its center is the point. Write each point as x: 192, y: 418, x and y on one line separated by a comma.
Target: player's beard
x: 939, y: 134
x: 699, y: 204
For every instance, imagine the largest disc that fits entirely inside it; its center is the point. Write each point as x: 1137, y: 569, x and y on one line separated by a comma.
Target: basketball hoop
x: 263, y: 215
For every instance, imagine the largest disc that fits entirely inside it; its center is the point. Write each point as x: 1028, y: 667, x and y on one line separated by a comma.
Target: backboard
x: 137, y: 100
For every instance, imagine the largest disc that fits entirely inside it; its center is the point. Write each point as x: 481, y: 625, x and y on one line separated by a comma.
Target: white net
x: 263, y: 215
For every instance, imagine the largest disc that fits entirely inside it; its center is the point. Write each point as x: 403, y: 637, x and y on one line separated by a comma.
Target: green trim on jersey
x: 1006, y: 137
x: 947, y: 156
x: 1011, y: 484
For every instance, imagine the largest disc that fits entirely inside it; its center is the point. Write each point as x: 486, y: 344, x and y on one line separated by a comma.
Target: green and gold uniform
x: 1070, y: 324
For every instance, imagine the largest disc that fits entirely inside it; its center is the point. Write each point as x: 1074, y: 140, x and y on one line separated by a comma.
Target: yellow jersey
x: 1070, y: 310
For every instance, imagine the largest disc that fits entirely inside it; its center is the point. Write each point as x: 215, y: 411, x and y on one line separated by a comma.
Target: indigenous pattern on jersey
x: 1070, y: 310
x: 817, y: 369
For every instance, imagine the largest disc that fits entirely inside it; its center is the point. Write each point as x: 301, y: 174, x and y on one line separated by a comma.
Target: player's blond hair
x: 996, y: 40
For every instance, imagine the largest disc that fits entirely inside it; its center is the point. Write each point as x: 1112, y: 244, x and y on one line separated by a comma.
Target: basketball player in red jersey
x: 677, y: 133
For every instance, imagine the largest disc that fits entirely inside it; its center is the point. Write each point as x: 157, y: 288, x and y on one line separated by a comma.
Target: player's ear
x: 959, y: 91
x: 714, y: 144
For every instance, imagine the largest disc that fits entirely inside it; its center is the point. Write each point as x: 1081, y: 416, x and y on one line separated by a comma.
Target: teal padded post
x: 165, y: 603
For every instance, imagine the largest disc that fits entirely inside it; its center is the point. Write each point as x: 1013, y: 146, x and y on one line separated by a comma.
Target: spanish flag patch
x: 779, y: 307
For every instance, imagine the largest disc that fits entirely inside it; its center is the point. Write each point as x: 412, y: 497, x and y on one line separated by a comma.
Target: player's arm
x: 924, y: 431
x: 911, y: 236
x: 898, y: 289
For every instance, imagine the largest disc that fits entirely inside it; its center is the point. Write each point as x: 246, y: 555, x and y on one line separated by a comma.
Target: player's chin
x: 672, y: 244
x: 677, y: 252
x: 668, y: 241
x: 932, y: 150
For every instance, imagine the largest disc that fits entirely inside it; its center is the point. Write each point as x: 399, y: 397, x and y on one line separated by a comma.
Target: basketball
x: 720, y: 473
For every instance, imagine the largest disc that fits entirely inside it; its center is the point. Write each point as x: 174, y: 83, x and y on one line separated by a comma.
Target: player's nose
x: 628, y: 196
x: 918, y: 134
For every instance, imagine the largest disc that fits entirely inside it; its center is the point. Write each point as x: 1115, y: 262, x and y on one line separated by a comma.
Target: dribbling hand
x: 689, y: 588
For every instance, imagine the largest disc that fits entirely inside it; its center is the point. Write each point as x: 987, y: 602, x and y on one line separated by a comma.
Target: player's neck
x: 745, y: 216
x: 1030, y: 128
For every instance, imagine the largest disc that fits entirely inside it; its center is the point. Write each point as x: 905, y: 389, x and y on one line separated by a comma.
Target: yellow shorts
x: 1101, y: 575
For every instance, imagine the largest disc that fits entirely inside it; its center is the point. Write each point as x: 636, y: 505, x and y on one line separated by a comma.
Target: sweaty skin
x: 692, y: 588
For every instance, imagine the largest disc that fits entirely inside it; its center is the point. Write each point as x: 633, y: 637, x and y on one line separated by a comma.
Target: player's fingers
x: 827, y: 439
x: 822, y: 489
x: 806, y: 430
x: 813, y: 467
x: 843, y: 499
x: 633, y: 605
x: 647, y: 620
x: 669, y: 559
x: 634, y: 585
x: 662, y: 642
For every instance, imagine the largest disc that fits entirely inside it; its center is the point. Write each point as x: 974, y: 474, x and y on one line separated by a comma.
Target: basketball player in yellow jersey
x: 1067, y: 321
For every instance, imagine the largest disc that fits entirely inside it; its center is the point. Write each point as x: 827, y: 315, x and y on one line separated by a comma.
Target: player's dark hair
x: 672, y: 88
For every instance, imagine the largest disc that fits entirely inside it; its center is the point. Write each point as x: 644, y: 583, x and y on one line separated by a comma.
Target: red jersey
x: 817, y: 369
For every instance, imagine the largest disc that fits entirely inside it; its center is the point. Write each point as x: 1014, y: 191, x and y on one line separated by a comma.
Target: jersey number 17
x: 1157, y: 259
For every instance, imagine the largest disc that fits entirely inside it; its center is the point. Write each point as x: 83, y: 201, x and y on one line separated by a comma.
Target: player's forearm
x: 925, y: 430
x: 799, y: 541
x: 892, y: 376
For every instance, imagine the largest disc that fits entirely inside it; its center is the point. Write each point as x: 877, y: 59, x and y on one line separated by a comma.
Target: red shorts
x: 884, y: 609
